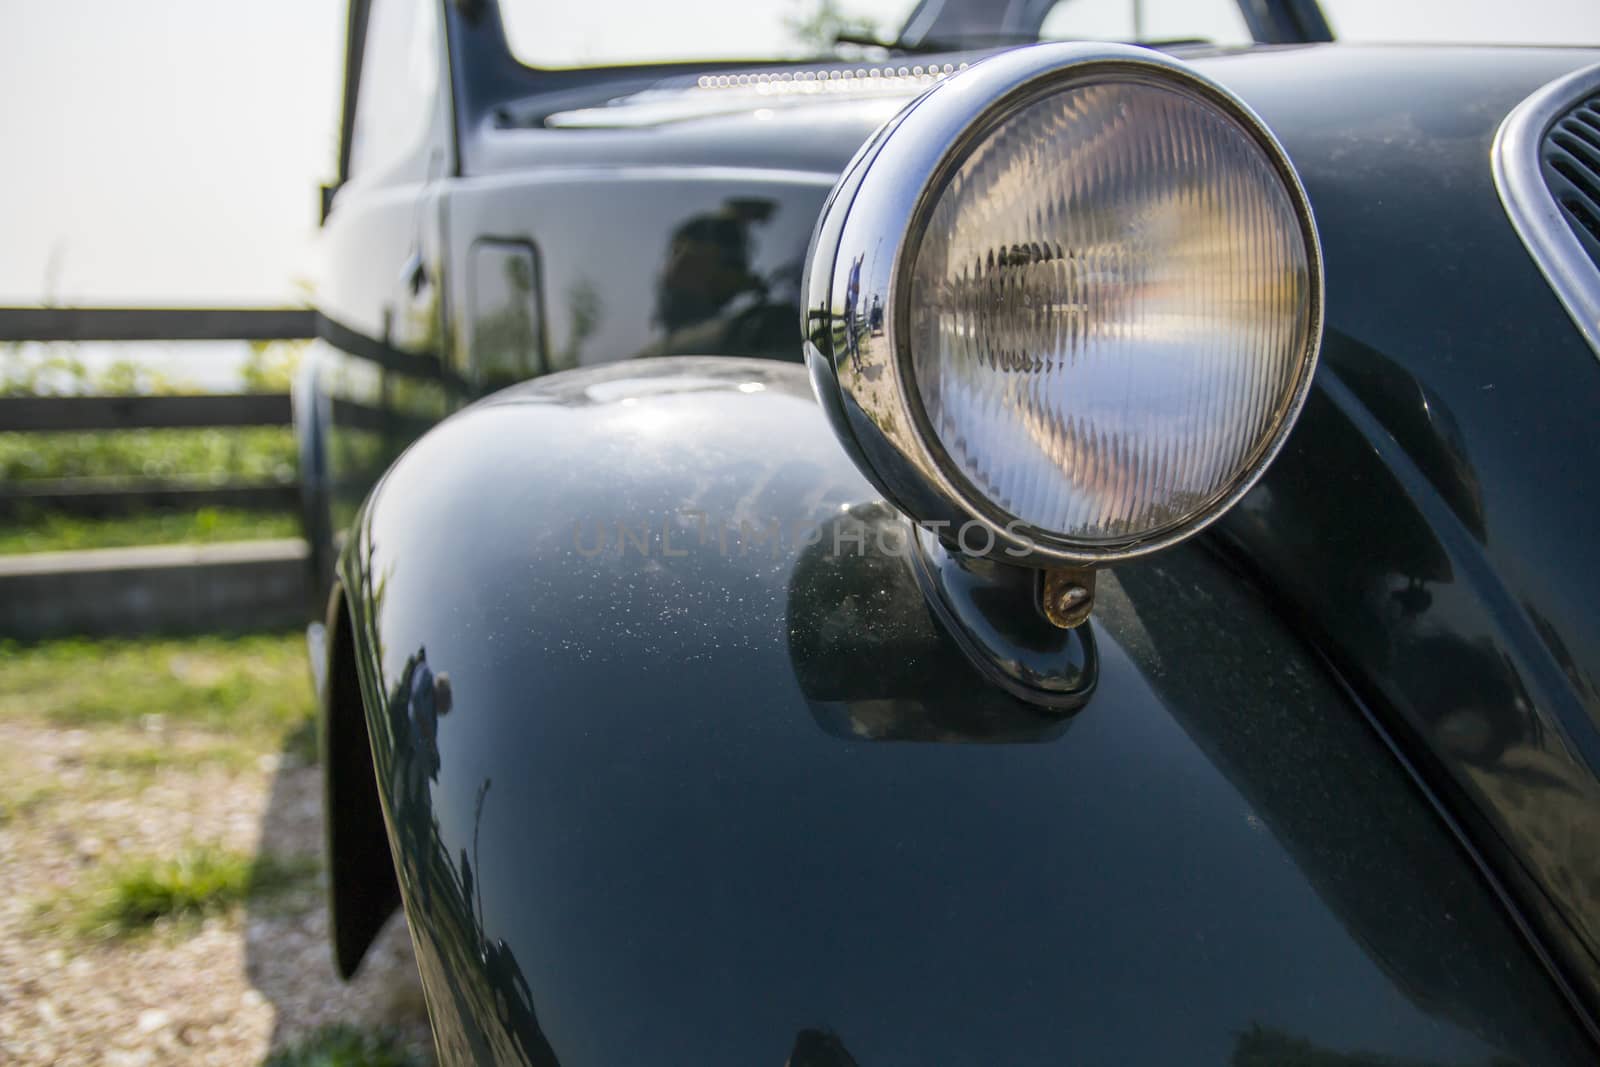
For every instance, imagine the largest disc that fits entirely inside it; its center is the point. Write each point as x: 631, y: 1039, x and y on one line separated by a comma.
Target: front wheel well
x: 363, y: 890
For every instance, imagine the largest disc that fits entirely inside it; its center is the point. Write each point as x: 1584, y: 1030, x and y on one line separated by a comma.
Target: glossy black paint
x: 690, y: 260
x: 1403, y: 528
x: 1432, y: 521
x: 665, y: 812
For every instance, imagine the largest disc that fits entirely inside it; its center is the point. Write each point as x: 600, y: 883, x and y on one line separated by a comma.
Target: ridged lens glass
x: 1109, y: 310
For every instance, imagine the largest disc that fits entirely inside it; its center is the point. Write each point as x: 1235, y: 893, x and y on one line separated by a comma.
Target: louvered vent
x: 1570, y: 159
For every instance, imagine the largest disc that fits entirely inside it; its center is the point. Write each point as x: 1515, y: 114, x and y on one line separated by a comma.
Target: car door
x: 375, y: 378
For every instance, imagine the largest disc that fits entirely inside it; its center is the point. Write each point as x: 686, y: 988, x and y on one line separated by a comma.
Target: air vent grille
x: 1570, y: 160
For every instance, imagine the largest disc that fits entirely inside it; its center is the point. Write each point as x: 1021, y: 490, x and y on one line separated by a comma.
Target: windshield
x: 1563, y: 22
x: 558, y: 33
x: 554, y: 34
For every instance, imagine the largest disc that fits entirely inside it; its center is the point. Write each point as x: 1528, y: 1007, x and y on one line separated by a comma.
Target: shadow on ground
x: 288, y: 954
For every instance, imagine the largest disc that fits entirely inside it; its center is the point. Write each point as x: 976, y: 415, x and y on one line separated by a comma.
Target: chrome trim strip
x: 1534, y: 213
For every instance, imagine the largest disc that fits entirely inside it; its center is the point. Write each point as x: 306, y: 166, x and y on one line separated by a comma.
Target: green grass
x: 342, y: 1045
x: 137, y: 895
x: 247, y: 453
x: 18, y: 801
x: 253, y: 689
x: 154, y: 708
x: 143, y: 764
x: 251, y: 454
x: 59, y: 533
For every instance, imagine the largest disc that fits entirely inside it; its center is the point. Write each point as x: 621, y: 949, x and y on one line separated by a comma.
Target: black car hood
x: 812, y: 119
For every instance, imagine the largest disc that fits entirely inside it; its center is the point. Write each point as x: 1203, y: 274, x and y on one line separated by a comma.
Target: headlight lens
x: 1073, y: 293
x: 1108, y: 309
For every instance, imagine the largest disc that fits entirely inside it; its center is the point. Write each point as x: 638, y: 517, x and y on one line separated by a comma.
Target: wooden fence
x: 96, y: 496
x: 167, y: 588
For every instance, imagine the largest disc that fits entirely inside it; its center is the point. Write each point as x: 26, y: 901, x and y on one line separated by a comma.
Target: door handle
x: 414, y: 274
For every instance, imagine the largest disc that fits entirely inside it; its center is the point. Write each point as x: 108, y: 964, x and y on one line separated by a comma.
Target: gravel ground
x: 229, y: 990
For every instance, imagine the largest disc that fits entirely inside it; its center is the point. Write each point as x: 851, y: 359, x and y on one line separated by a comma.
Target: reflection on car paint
x: 1218, y: 785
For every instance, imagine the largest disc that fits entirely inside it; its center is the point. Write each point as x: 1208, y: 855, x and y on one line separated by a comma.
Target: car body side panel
x: 641, y: 261
x: 678, y: 767
x: 1433, y: 519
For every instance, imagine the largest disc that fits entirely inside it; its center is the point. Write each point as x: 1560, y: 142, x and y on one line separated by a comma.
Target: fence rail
x: 104, y: 497
x: 56, y: 413
x: 156, y: 324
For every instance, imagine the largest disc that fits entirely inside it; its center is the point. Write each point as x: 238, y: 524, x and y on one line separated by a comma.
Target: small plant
x: 270, y: 366
x: 342, y: 1045
x: 197, y: 883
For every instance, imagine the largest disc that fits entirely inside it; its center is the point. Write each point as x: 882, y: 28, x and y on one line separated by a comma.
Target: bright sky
x: 163, y: 151
x: 168, y: 151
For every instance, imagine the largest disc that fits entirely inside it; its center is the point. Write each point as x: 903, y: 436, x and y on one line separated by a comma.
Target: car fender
x: 677, y: 765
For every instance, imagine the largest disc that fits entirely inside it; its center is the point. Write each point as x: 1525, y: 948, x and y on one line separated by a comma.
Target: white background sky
x: 163, y: 151
x: 168, y: 151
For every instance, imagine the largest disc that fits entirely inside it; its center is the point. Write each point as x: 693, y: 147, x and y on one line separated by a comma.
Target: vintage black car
x: 1011, y: 553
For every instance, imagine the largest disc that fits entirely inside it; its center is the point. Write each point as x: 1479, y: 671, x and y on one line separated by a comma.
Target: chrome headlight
x: 1074, y: 294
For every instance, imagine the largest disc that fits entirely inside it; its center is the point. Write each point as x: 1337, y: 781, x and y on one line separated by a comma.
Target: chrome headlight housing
x: 1073, y: 295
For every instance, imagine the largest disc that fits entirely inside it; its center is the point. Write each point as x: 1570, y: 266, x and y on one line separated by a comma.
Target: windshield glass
x: 553, y: 34
x: 1566, y: 22
x: 559, y: 33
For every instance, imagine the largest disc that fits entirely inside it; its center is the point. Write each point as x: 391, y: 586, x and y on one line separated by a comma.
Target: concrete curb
x: 157, y: 589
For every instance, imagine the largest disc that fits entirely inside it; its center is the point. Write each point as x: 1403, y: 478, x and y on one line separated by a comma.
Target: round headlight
x: 1072, y: 294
